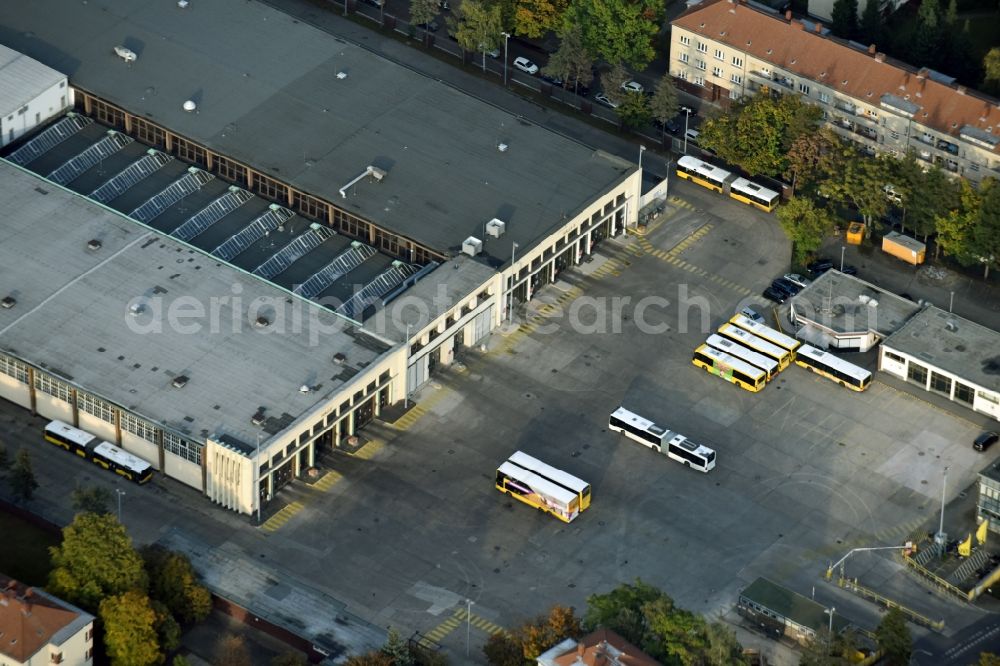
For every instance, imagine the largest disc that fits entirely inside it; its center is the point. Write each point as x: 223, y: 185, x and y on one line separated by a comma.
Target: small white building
x: 30, y: 94
x: 948, y: 355
x: 37, y: 629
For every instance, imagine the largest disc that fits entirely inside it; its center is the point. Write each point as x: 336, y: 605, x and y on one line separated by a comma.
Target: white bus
x: 662, y: 440
x: 535, y: 491
x: 702, y: 173
x: 759, y: 345
x: 575, y: 485
x: 834, y: 368
x: 768, y: 365
x: 766, y: 332
x: 753, y: 194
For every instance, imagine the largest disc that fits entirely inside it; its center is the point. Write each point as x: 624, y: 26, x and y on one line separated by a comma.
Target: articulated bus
x: 766, y: 332
x: 768, y: 365
x: 759, y: 345
x: 662, y: 440
x: 577, y: 486
x: 834, y: 368
x: 101, y: 453
x: 730, y: 368
x: 702, y: 173
x: 753, y: 194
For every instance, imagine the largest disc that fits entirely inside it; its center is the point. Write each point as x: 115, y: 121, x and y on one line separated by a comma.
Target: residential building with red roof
x: 725, y: 49
x: 600, y: 648
x: 38, y: 629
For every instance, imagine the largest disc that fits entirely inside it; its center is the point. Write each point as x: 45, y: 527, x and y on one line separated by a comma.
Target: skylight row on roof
x: 131, y: 175
x: 74, y: 167
x: 49, y: 139
x: 212, y: 213
x: 345, y: 262
x: 253, y: 232
x: 190, y: 182
x: 376, y: 289
x: 286, y: 256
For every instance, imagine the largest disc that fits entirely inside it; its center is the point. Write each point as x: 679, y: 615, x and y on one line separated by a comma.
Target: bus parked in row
x: 102, y: 454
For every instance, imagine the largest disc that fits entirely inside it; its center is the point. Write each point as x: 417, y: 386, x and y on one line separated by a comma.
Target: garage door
x: 483, y: 325
x: 416, y: 374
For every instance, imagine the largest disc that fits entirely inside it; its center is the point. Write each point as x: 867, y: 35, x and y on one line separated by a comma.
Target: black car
x: 672, y: 125
x: 554, y: 80
x: 432, y: 26
x: 787, y: 286
x: 849, y: 270
x: 985, y: 441
x: 773, y: 294
x: 819, y: 267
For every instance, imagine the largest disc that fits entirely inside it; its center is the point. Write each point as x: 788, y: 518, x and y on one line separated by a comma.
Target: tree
x: 503, y: 650
x: 290, y: 659
x: 870, y: 29
x: 893, y: 638
x: 991, y: 69
x: 927, y: 37
x: 180, y: 660
x: 811, y: 158
x: 95, y: 560
x: 859, y: 182
x: 806, y: 225
x: 544, y: 632
x: 663, y: 104
x: 22, y: 476
x: 612, y: 80
x: 955, y: 227
x: 986, y: 233
x: 674, y: 635
x: 844, y: 18
x: 396, y: 649
x: 633, y: 109
x: 723, y: 648
x: 617, y: 30
x: 91, y: 499
x: 130, y: 629
x: 167, y: 630
x: 988, y: 659
x: 478, y: 27
x: 621, y: 610
x: 231, y: 650
x: 173, y: 582
x: 422, y: 12
x: 534, y: 18
x: 571, y: 62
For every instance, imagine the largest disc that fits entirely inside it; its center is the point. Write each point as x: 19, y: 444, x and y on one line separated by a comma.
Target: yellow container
x: 903, y: 247
x: 855, y: 233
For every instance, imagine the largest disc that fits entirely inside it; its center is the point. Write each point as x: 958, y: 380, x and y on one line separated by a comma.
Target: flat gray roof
x: 74, y: 318
x: 268, y: 94
x: 435, y: 294
x: 843, y: 304
x: 22, y: 79
x: 951, y: 343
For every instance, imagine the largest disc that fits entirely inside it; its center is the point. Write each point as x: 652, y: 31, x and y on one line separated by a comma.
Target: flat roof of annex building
x: 268, y: 95
x: 953, y: 344
x: 843, y: 304
x: 73, y: 318
x: 22, y: 79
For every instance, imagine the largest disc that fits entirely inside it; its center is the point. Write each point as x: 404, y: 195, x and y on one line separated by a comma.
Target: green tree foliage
x: 180, y: 660
x: 168, y: 631
x: 95, y: 560
x: 859, y: 182
x: 91, y: 499
x: 723, y: 648
x: 478, y: 27
x: 231, y: 650
x: 130, y: 630
x: 893, y: 637
x: 173, y: 582
x: 925, y: 195
x: 674, y: 635
x: 988, y: 659
x: 955, y: 227
x: 621, y: 610
x: 22, y: 476
x: 806, y: 225
x: 870, y: 30
x: 534, y: 18
x: 991, y: 70
x: 503, y: 650
x: 811, y: 158
x: 612, y: 80
x: 663, y: 104
x: 375, y: 658
x: 617, y: 30
x: 571, y: 62
x: 397, y: 650
x: 290, y: 659
x: 844, y: 18
x: 757, y: 133
x: 927, y: 38
x: 986, y: 234
x: 633, y: 109
x: 422, y: 11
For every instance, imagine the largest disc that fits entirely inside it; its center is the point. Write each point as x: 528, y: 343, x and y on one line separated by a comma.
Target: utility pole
x: 468, y: 624
x: 941, y: 538
x: 120, y: 493
x: 513, y: 281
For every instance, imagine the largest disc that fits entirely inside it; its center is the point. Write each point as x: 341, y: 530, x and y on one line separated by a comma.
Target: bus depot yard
x: 413, y: 528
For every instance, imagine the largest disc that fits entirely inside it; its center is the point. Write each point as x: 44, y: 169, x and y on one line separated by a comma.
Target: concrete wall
x: 182, y: 470
x: 50, y: 103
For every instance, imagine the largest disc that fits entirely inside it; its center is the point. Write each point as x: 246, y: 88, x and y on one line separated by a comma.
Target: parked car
x: 633, y: 86
x: 605, y: 100
x: 431, y: 26
x: 849, y: 270
x: 819, y: 267
x: 578, y: 88
x: 443, y: 4
x: 671, y: 125
x: 788, y: 287
x: 554, y: 80
x: 752, y: 314
x: 985, y: 441
x: 773, y: 294
x: 525, y: 65
x: 795, y: 278
x: 692, y: 135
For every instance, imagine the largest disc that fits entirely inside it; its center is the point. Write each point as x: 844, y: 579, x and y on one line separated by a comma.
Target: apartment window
x: 717, y: 72
x: 53, y: 387
x: 685, y: 40
x: 893, y: 134
x: 682, y: 75
x: 973, y: 166
x: 136, y: 426
x: 56, y: 658
x: 736, y: 78
x: 703, y: 47
x: 684, y: 57
x: 895, y: 357
x: 719, y: 55
x: 699, y: 80
x: 964, y: 393
x: 734, y: 94
x: 737, y: 61
x: 940, y: 383
x: 766, y: 71
x: 917, y: 373
x: 700, y: 64
x: 871, y: 114
x: 804, y: 89
x: 823, y: 97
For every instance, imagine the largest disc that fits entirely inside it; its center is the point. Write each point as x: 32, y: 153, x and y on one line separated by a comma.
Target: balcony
x: 947, y: 146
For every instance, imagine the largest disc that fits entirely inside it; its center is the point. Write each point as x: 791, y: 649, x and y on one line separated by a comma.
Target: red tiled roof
x: 593, y: 650
x: 27, y: 620
x: 861, y: 75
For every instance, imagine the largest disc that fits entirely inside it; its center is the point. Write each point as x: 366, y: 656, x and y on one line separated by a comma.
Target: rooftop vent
x: 305, y: 388
x: 262, y: 322
x: 502, y: 147
x: 472, y: 246
x: 180, y: 381
x: 951, y: 325
x: 93, y: 244
x: 126, y: 54
x: 864, y: 298
x: 258, y: 418
x: 495, y: 228
x: 339, y: 358
x: 136, y: 309
x: 8, y: 302
x: 190, y: 106
x: 341, y: 75
x: 182, y: 4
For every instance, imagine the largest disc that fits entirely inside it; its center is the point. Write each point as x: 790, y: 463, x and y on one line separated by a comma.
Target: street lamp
x: 256, y: 464
x: 121, y: 494
x: 941, y: 538
x: 842, y: 248
x: 513, y: 280
x: 829, y: 637
x: 406, y: 378
x: 468, y: 624
x: 687, y: 117
x: 506, y: 36
x: 642, y: 149
x: 666, y: 190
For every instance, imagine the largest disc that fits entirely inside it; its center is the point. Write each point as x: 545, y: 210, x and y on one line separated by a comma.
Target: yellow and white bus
x: 730, y: 368
x: 765, y: 363
x: 753, y: 194
x: 759, y: 345
x: 542, y: 486
x: 702, y: 173
x: 833, y: 368
x: 767, y: 333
